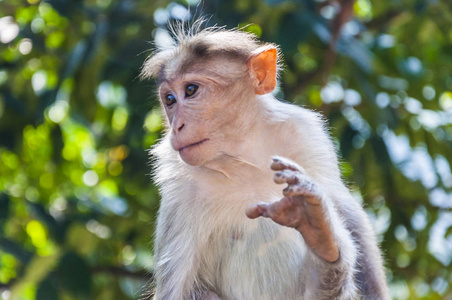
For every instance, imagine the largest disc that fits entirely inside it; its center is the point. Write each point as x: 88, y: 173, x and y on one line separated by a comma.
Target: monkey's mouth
x: 194, y: 144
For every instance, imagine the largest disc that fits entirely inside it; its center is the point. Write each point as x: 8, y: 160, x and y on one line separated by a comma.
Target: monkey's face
x: 201, y: 108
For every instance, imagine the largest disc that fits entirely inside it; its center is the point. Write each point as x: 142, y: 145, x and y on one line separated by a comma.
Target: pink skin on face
x: 186, y: 152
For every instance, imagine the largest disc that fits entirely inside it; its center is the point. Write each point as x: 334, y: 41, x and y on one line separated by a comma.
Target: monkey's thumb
x: 256, y: 210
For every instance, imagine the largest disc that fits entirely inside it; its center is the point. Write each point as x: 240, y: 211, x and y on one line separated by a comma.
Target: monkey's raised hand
x: 303, y: 207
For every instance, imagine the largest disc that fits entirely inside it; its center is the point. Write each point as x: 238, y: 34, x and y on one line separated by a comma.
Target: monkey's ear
x: 264, y: 67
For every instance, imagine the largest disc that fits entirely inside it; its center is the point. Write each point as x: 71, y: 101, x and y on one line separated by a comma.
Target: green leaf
x: 15, y: 249
x: 75, y: 275
x: 38, y: 269
x: 57, y: 229
x: 357, y: 52
x: 47, y: 290
x: 448, y: 232
x: 4, y: 207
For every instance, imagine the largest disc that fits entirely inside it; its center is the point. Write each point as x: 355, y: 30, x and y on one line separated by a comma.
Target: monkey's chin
x: 192, y: 158
x: 193, y: 155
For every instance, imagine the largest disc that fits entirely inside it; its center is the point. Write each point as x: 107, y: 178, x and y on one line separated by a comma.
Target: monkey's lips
x: 192, y: 145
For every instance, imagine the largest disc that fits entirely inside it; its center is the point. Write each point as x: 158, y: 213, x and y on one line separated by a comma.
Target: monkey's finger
x: 296, y: 190
x: 307, y: 192
x: 257, y: 210
x: 281, y: 163
x: 284, y: 212
x: 304, y: 187
x: 276, y: 208
x: 287, y: 176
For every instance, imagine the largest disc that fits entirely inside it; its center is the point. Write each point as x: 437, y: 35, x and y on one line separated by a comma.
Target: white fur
x: 205, y: 243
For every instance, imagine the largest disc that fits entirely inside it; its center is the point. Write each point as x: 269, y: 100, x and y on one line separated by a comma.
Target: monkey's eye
x: 170, y: 99
x: 190, y: 90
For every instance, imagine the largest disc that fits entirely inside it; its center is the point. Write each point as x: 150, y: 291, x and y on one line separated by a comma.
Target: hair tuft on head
x: 183, y: 30
x: 194, y: 38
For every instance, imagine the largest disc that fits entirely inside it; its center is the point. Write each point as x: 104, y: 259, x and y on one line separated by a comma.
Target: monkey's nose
x: 180, y: 127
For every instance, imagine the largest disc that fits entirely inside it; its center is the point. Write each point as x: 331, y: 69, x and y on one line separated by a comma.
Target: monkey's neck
x: 229, y: 166
x: 249, y: 153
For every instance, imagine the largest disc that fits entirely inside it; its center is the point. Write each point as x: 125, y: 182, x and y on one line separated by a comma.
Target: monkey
x: 226, y: 228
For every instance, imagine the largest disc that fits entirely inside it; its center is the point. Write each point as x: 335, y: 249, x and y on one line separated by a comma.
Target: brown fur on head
x: 193, y: 42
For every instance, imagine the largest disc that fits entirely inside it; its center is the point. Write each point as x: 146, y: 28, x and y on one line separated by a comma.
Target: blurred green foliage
x: 77, y: 207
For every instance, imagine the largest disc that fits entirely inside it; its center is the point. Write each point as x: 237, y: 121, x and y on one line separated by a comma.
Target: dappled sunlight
x: 76, y: 124
x: 9, y: 30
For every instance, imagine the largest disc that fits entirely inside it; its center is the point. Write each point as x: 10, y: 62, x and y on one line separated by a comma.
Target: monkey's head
x: 208, y: 86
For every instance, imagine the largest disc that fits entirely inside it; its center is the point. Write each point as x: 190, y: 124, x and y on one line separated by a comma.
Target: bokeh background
x: 77, y: 205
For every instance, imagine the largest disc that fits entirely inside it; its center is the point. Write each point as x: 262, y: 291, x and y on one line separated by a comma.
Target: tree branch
x: 8, y: 285
x: 344, y: 15
x: 108, y: 270
x: 122, y: 272
x: 379, y: 21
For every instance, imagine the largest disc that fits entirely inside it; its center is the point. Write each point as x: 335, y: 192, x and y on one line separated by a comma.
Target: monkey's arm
x: 306, y: 208
x: 209, y: 296
x: 370, y: 274
x: 175, y: 254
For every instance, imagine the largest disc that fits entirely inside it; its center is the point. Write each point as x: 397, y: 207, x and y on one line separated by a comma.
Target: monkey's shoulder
x: 299, y: 130
x: 292, y: 116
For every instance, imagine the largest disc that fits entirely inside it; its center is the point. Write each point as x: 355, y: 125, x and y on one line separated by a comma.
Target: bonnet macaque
x: 226, y: 227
